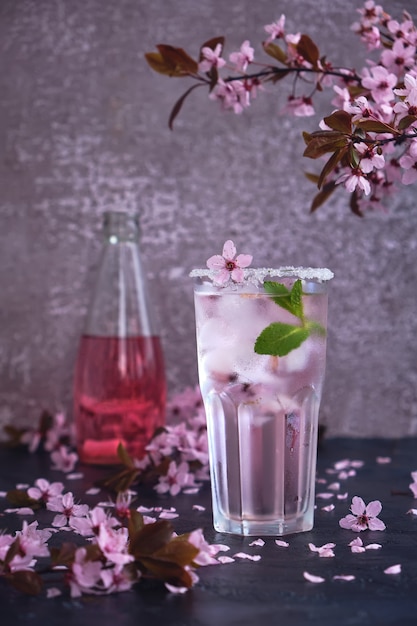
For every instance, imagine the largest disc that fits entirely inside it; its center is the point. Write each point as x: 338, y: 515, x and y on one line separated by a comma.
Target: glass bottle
x: 120, y: 388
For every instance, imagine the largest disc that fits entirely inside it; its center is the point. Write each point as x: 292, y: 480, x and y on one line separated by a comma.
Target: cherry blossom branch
x: 377, y: 105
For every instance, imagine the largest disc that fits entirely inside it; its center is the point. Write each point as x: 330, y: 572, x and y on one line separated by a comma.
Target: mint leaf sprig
x: 278, y: 339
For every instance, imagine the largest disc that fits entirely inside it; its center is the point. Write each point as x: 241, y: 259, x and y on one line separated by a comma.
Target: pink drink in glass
x: 262, y: 410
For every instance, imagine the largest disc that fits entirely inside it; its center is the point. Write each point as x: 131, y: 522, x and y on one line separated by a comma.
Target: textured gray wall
x: 83, y: 128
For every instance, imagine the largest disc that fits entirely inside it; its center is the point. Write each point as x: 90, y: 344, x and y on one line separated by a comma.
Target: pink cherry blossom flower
x: 371, y: 37
x: 409, y: 163
x: 114, y: 543
x: 44, y: 490
x: 183, y: 405
x: 409, y: 93
x: 63, y: 459
x: 67, y: 510
x: 57, y: 432
x: 207, y: 552
x: 342, y: 99
x: 370, y: 158
x: 242, y: 58
x: 361, y: 108
x: 404, y: 31
x: 363, y: 516
x: 90, y: 525
x: 275, y: 30
x: 123, y: 502
x: 371, y: 13
x: 299, y: 106
x: 380, y: 82
x: 355, y: 179
x: 85, y: 575
x: 33, y: 542
x: 211, y: 58
x: 175, y: 479
x: 399, y: 58
x: 232, y: 95
x: 229, y: 266
x: 5, y: 543
x: 195, y: 447
x: 116, y: 579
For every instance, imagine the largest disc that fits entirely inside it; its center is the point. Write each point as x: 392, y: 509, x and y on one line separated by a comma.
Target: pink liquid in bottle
x: 119, y: 396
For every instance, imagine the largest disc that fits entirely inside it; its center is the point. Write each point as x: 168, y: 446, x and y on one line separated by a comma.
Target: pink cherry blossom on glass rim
x: 363, y: 516
x: 229, y: 265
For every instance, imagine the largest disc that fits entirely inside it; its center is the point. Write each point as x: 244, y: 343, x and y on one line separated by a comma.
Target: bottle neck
x: 119, y: 226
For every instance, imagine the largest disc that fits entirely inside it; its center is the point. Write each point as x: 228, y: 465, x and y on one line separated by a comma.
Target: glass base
x: 269, y: 527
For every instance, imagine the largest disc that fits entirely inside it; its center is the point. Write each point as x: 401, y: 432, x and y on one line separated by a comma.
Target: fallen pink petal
x: 75, y: 476
x: 168, y: 515
x: 325, y: 551
x: 24, y: 510
x: 313, y: 579
x: 225, y: 559
x: 373, y: 546
x: 394, y: 569
x: 342, y: 496
x: 250, y: 557
x: 328, y: 508
x: 348, y: 577
x: 383, y: 460
x: 334, y: 486
x: 257, y: 542
x: 281, y: 543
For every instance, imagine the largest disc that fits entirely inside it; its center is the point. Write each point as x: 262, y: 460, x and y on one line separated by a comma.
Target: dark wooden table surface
x: 273, y: 589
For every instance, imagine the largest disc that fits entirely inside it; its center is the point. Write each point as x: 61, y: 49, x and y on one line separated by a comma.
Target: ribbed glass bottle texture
x: 119, y: 387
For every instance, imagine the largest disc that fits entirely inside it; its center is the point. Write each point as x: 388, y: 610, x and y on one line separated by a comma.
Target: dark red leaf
x: 26, y: 581
x: 354, y: 204
x: 135, y: 523
x: 150, y: 538
x: 177, y: 551
x: 322, y: 196
x: 321, y: 142
x: 64, y: 555
x: 340, y: 120
x: 407, y: 121
x: 168, y: 572
x: 374, y: 126
x: 308, y: 50
x: 331, y: 165
x: 178, y: 105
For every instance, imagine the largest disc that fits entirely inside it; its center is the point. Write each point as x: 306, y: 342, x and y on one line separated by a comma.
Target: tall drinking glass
x: 261, y: 359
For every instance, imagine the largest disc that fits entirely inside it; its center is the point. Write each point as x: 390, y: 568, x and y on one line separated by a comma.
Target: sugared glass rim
x: 258, y: 275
